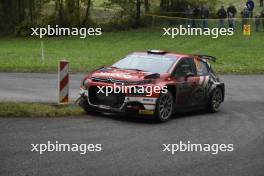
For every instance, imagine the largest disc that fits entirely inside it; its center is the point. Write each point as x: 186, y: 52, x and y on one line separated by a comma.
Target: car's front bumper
x: 138, y: 104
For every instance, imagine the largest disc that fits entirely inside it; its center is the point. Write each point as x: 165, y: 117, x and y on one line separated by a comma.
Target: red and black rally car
x: 156, y: 83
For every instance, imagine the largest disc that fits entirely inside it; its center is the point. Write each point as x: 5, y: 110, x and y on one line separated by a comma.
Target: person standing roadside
x: 245, y: 16
x: 257, y: 22
x: 231, y: 13
x: 232, y: 9
x: 221, y: 13
x: 205, y: 16
x: 189, y: 16
x: 231, y: 21
x: 250, y: 6
x: 197, y: 16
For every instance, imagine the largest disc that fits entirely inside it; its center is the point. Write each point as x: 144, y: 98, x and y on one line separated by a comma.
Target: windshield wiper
x: 129, y: 69
x: 113, y: 67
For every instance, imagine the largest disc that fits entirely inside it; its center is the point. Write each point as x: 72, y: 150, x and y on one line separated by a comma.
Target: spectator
x: 257, y: 22
x: 221, y: 13
x: 261, y: 3
x: 205, y: 16
x: 231, y: 13
x: 231, y: 21
x: 245, y: 16
x: 232, y: 9
x: 250, y: 6
x: 262, y: 17
x: 197, y: 16
x: 189, y: 16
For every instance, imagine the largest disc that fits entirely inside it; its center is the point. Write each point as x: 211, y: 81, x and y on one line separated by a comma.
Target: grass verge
x: 38, y: 110
x: 236, y: 54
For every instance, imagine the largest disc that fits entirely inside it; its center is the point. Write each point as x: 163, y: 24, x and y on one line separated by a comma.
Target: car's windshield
x: 150, y: 63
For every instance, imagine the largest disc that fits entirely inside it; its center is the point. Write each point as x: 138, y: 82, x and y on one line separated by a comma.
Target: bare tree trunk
x: 146, y: 2
x: 57, y: 5
x: 77, y: 12
x: 87, y: 13
x: 60, y: 15
x: 20, y: 11
x: 165, y: 4
x: 138, y: 14
x: 31, y: 11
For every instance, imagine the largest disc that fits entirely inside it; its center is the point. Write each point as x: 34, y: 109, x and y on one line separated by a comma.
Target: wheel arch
x: 222, y: 87
x: 218, y: 85
x: 172, y: 89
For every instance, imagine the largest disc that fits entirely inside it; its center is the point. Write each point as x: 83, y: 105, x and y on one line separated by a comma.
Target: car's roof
x: 168, y: 54
x: 162, y: 53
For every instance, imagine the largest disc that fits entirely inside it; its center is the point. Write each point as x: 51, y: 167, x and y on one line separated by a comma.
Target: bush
x: 118, y: 24
x: 180, y: 5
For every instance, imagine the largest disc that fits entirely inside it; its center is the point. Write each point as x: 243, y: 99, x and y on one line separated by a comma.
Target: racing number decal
x: 198, y: 93
x: 203, y: 81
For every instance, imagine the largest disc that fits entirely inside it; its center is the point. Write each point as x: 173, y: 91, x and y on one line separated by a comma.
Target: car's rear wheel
x: 165, y: 107
x: 216, y: 100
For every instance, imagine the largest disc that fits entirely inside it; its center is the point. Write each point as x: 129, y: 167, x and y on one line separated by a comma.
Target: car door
x: 203, y: 74
x: 187, y: 82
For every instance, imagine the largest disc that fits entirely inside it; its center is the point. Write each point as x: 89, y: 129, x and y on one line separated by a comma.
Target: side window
x: 194, y: 71
x: 184, y: 66
x: 202, y: 68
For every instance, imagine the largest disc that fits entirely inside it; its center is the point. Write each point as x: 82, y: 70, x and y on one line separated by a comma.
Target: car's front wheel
x: 216, y: 100
x: 165, y: 107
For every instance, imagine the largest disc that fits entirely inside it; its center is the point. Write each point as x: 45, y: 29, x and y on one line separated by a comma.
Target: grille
x: 110, y: 80
x: 113, y: 100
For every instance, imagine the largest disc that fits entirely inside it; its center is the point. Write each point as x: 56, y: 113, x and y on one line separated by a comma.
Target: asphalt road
x: 133, y: 146
x: 35, y: 87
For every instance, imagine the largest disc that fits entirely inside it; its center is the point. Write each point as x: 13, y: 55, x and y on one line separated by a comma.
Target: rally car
x: 156, y: 83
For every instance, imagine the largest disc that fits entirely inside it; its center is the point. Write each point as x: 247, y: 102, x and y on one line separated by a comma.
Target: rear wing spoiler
x: 206, y: 57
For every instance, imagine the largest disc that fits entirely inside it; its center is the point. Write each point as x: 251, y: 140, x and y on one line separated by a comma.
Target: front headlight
x: 85, y: 83
x: 84, y: 92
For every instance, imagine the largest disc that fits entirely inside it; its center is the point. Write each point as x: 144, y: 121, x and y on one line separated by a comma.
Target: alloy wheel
x: 217, y: 99
x: 165, y: 107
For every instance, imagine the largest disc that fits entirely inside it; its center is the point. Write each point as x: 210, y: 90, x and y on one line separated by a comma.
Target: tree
x: 87, y: 12
x: 59, y: 11
x: 146, y: 4
x: 180, y: 5
x: 132, y: 9
x: 138, y: 13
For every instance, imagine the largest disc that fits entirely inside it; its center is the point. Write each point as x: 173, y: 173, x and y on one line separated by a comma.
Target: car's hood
x: 119, y: 74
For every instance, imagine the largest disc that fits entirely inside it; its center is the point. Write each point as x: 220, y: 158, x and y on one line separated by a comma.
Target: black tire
x: 86, y: 107
x: 164, y: 107
x: 216, y: 100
